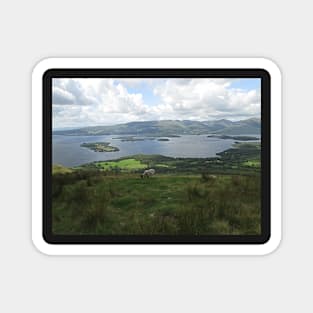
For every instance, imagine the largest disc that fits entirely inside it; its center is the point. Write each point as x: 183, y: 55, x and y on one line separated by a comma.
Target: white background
x: 32, y: 30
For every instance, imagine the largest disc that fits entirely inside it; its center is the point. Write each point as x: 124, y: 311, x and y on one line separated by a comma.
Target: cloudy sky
x: 92, y: 101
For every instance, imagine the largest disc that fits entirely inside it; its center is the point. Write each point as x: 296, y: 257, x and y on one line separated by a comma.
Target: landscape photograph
x: 154, y: 156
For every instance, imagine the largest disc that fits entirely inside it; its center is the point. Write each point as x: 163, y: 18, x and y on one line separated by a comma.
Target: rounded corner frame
x: 268, y: 247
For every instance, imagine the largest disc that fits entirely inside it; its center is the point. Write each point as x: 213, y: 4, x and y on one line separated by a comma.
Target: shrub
x: 194, y: 191
x: 236, y: 180
x: 207, y: 178
x: 92, y: 217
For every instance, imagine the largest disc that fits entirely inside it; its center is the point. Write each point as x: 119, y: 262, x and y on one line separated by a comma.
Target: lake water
x: 68, y: 152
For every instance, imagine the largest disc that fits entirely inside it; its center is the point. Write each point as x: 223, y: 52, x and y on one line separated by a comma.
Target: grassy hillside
x: 109, y: 197
x: 87, y: 202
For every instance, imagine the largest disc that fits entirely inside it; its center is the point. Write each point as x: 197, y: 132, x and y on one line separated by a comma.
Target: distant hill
x: 250, y: 126
x: 165, y: 128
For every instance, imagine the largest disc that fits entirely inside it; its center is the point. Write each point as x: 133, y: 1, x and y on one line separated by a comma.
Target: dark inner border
x: 51, y: 238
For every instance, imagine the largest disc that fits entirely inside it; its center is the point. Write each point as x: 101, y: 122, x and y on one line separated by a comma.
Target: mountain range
x: 165, y: 128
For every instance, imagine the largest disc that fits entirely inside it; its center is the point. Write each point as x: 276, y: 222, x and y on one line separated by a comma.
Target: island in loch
x: 99, y: 146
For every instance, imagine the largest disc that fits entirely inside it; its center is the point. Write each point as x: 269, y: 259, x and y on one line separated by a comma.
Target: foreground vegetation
x: 95, y: 202
x: 110, y: 198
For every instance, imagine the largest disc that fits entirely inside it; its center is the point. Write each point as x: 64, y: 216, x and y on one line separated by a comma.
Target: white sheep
x: 148, y: 173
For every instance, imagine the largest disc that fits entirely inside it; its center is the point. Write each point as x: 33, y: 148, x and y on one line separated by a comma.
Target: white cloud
x: 72, y: 91
x: 91, y: 101
x: 61, y: 96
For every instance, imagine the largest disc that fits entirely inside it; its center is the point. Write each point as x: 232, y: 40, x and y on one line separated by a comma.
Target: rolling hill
x: 250, y: 126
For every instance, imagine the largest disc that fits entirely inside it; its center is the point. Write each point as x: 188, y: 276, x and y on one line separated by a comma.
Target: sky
x: 102, y: 101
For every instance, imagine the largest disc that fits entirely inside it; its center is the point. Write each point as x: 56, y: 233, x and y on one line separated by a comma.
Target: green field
x: 183, y: 197
x: 252, y: 163
x: 89, y: 203
x: 124, y: 164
